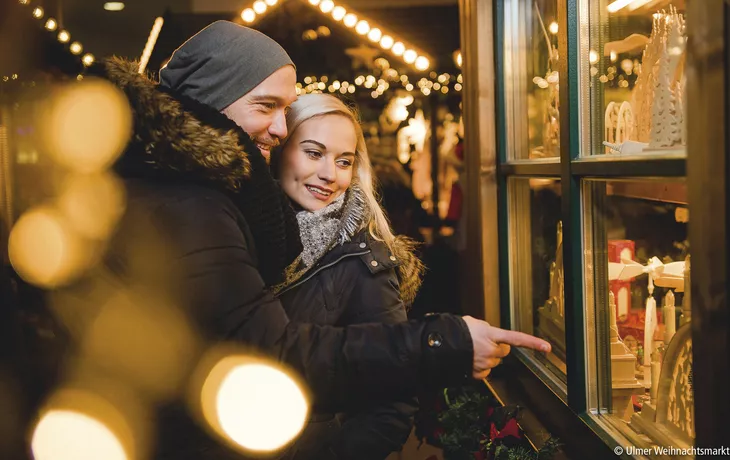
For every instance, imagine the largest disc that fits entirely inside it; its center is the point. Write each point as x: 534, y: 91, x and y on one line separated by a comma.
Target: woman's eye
x: 344, y: 163
x: 314, y: 153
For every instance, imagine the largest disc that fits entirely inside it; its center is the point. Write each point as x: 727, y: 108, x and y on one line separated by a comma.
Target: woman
x: 352, y: 269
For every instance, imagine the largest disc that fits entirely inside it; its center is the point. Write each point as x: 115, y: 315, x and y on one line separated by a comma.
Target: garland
x: 468, y: 423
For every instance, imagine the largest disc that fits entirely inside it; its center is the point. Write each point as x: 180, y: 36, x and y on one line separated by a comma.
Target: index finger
x: 519, y: 339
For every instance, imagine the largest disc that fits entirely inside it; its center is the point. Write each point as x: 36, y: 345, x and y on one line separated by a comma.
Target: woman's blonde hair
x: 314, y: 105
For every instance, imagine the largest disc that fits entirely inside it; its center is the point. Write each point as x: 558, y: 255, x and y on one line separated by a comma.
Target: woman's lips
x: 322, y: 194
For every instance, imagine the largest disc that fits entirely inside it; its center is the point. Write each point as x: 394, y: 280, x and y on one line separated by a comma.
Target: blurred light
x: 457, y: 87
x: 398, y: 48
x: 87, y: 125
x: 43, y: 250
x: 426, y: 91
x: 459, y: 78
x: 593, y: 57
x: 143, y: 340
x: 14, y: 76
x: 374, y: 94
x: 24, y: 2
x: 248, y: 15
x: 324, y: 78
x: 51, y: 24
x: 309, y: 35
x: 64, y: 36
x: 375, y: 34
x: 88, y: 59
x: 359, y: 80
x: 410, y: 56
x: 70, y: 435
x: 386, y: 42
x: 436, y: 86
x: 76, y: 48
x: 259, y: 6
x: 37, y: 12
x: 114, y: 6
x: 382, y: 63
x: 350, y: 20
x: 314, y: 2
x: 444, y: 89
x: 326, y: 6
x: 613, y: 56
x: 338, y: 13
x: 422, y: 63
x: 351, y: 89
x: 336, y: 84
x: 627, y: 65
x: 255, y: 404
x: 442, y: 78
x: 271, y: 2
x: 458, y: 59
x: 617, y: 5
x: 307, y: 79
x: 362, y: 27
x: 150, y: 43
x: 553, y: 28
x: 92, y: 204
x: 409, y: 87
x: 321, y: 86
x: 323, y: 31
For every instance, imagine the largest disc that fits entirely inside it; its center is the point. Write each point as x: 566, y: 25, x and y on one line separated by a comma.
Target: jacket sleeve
x: 216, y: 280
x: 373, y: 431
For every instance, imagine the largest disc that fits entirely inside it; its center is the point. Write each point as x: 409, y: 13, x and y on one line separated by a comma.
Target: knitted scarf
x: 322, y: 230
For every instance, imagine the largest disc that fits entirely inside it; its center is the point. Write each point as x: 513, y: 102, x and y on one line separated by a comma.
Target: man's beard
x: 265, y: 145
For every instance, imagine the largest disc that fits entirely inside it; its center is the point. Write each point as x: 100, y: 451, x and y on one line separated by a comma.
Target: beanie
x: 221, y: 63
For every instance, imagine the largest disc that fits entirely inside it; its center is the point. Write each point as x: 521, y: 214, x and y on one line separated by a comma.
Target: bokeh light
x: 86, y: 126
x: 92, y: 204
x: 254, y: 404
x: 44, y: 250
x: 69, y: 435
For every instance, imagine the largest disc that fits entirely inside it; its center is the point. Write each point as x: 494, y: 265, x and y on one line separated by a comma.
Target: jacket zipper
x: 308, y: 277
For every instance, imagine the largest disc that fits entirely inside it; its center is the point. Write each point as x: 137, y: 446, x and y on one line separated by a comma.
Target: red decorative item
x: 621, y: 289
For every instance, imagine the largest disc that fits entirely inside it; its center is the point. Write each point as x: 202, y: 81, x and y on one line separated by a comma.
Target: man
x: 201, y: 195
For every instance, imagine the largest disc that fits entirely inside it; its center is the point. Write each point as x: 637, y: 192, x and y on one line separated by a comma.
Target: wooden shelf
x: 666, y: 192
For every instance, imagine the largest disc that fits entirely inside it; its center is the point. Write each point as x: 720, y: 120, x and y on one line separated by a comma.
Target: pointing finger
x: 519, y: 339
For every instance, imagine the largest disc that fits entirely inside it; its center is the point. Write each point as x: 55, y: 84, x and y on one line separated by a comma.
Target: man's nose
x: 278, y: 126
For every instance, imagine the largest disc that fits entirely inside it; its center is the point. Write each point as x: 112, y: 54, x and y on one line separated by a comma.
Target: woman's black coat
x: 354, y: 283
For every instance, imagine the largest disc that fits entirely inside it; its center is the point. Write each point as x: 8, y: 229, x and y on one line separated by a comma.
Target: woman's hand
x: 491, y: 344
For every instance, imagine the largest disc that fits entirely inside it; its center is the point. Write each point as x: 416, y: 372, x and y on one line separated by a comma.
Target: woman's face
x: 318, y: 160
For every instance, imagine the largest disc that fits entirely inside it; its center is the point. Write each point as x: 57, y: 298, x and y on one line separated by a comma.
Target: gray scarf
x: 322, y: 230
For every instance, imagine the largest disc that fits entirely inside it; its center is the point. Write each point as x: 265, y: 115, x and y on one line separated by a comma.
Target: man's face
x: 262, y: 111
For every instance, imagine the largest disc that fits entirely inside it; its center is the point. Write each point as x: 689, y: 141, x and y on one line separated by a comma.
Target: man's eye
x: 268, y: 105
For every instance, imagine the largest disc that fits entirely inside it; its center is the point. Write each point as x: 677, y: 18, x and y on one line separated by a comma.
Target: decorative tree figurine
x: 663, y: 123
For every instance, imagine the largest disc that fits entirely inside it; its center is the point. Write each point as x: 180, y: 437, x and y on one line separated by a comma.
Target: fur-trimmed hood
x: 172, y: 136
x: 410, y: 269
x: 181, y: 140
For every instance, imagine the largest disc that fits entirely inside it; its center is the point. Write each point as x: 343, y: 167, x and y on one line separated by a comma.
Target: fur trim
x: 172, y: 137
x: 410, y: 270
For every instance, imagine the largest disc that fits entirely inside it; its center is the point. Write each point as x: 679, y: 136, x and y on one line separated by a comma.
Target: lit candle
x: 650, y: 321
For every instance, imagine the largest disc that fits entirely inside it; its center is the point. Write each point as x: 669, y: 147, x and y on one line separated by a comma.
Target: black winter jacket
x: 190, y: 238
x: 354, y: 283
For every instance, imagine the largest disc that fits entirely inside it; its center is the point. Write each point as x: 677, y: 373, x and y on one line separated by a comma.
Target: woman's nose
x: 327, y: 171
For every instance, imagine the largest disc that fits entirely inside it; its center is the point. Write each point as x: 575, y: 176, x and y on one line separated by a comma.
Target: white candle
x: 650, y: 321
x: 670, y: 320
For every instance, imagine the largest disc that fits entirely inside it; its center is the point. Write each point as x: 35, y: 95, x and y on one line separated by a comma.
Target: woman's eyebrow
x: 318, y: 144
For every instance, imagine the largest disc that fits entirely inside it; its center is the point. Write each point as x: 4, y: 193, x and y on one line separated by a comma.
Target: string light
x: 362, y: 27
x: 88, y: 59
x: 24, y: 2
x: 38, y: 12
x: 338, y: 13
x: 51, y: 24
x: 350, y: 20
x: 64, y: 36
x: 421, y: 63
x: 259, y: 6
x: 314, y: 2
x: 386, y: 42
x: 410, y: 56
x: 271, y: 2
x: 248, y: 15
x: 76, y: 48
x: 375, y: 34
x: 398, y: 48
x: 326, y: 6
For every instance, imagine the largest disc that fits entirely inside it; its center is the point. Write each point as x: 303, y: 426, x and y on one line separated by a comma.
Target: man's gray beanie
x: 221, y: 63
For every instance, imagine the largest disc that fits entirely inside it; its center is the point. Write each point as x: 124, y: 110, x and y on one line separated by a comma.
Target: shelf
x: 666, y: 192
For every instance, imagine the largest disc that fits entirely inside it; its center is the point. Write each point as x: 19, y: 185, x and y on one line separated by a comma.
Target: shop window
x: 536, y: 252
x: 635, y: 65
x: 531, y: 79
x: 640, y: 261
